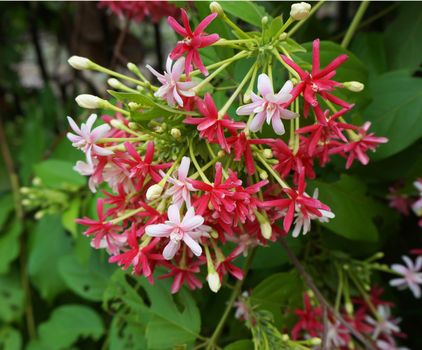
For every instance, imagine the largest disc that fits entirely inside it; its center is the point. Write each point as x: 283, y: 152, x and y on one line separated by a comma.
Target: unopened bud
x: 114, y: 83
x: 300, y: 11
x: 89, y: 101
x: 349, y: 307
x: 263, y: 175
x: 25, y: 190
x: 285, y: 337
x: 38, y: 215
x: 315, y: 341
x: 282, y: 36
x: 267, y: 153
x: 79, y: 62
x: 221, y: 153
x: 264, y: 20
x: 133, y: 68
x: 175, y: 132
x: 36, y: 181
x: 354, y: 86
x: 154, y: 192
x: 264, y: 225
x: 133, y: 106
x: 214, y: 281
x: 215, y: 7
x: 133, y: 126
x: 26, y: 202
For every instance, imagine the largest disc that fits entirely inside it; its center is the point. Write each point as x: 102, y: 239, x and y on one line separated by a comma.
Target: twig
x: 14, y: 182
x: 355, y: 23
x: 310, y: 283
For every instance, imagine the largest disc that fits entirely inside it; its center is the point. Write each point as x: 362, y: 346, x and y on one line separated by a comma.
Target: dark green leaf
x: 126, y: 336
x: 247, y: 11
x: 244, y: 344
x: 9, y: 245
x: 370, y: 48
x: 10, y: 339
x: 11, y: 298
x: 6, y: 207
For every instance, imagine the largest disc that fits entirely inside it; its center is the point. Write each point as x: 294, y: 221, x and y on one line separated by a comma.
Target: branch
x: 310, y: 283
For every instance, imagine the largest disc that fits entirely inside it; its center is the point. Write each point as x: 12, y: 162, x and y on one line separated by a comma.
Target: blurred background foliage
x: 56, y: 292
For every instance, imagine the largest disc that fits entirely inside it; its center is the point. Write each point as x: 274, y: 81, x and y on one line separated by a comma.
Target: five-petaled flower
x: 193, y: 40
x: 411, y: 275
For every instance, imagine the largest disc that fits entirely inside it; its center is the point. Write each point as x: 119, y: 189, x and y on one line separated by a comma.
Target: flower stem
x: 271, y: 170
x: 102, y: 69
x: 235, y: 293
x: 355, y: 23
x: 195, y: 162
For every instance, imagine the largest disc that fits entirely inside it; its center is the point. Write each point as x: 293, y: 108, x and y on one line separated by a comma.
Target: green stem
x: 234, y: 295
x: 195, y: 162
x: 355, y: 23
x: 102, y: 69
x: 271, y: 170
x: 301, y: 23
x: 284, y: 27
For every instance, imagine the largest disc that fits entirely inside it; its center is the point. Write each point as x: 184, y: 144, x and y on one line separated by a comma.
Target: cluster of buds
x: 191, y: 184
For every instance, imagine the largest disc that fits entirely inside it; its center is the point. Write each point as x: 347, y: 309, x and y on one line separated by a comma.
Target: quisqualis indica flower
x: 189, y: 230
x: 383, y: 325
x: 85, y: 138
x: 193, y: 40
x: 172, y: 88
x: 411, y: 275
x: 270, y: 107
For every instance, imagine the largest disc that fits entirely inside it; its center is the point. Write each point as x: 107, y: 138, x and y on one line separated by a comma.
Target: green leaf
x: 126, y: 336
x: 276, y: 293
x: 58, y: 174
x: 396, y: 111
x: 67, y: 324
x: 70, y: 215
x: 370, y: 48
x: 87, y: 280
x: 10, y: 339
x: 247, y: 11
x: 11, y: 298
x: 244, y: 344
x: 6, y: 207
x: 353, y: 209
x: 402, y: 38
x: 49, y: 243
x: 9, y: 245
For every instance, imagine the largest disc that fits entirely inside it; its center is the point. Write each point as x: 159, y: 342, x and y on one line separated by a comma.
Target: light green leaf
x: 247, y: 11
x: 58, y: 174
x: 49, y: 244
x: 396, y: 111
x: 11, y: 298
x: 70, y: 215
x: 353, y: 209
x: 10, y: 339
x: 9, y: 245
x: 67, y: 324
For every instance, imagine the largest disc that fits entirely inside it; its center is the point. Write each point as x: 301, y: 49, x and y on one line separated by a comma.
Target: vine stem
x: 355, y: 23
x: 322, y: 301
x: 14, y: 182
x: 235, y: 293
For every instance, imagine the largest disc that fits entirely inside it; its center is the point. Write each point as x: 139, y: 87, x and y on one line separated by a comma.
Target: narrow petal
x: 174, y: 214
x: 265, y: 86
x: 192, y: 244
x: 257, y: 122
x: 170, y: 250
x: 183, y: 170
x: 204, y: 23
x: 278, y: 126
x: 159, y: 230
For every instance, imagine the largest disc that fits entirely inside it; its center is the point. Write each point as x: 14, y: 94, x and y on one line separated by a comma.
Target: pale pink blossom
x: 417, y: 206
x: 85, y: 139
x: 411, y: 275
x: 180, y: 191
x: 115, y: 176
x: 270, y: 107
x: 384, y: 324
x: 112, y: 243
x: 172, y: 88
x: 88, y: 169
x: 337, y: 335
x: 389, y: 345
x: 242, y: 308
x: 189, y: 230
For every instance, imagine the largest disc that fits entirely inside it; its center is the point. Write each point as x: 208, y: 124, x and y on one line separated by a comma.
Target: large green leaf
x: 49, y: 244
x: 67, y: 324
x: 9, y: 245
x: 277, y: 293
x: 70, y: 215
x: 11, y: 298
x: 10, y: 339
x: 58, y: 174
x: 247, y: 11
x: 6, y: 207
x: 126, y: 336
x: 396, y: 111
x: 370, y: 48
x: 353, y: 209
x: 402, y: 38
x: 87, y: 280
x: 244, y: 344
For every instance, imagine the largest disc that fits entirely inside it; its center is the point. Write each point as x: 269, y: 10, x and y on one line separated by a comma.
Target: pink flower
x: 417, y: 206
x: 310, y: 319
x: 398, y: 201
x: 389, y: 345
x: 184, y: 275
x: 180, y: 191
x: 270, y: 107
x: 318, y: 81
x: 383, y: 324
x: 86, y: 138
x: 192, y: 41
x: 172, y: 87
x: 210, y: 126
x: 411, y: 275
x: 189, y: 230
x: 242, y: 308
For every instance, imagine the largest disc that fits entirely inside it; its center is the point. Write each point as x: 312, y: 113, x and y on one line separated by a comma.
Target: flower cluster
x: 188, y: 183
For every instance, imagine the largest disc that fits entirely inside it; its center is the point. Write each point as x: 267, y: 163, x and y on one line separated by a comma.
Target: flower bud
x: 282, y: 36
x: 79, y: 62
x: 89, y: 101
x: 315, y: 341
x: 37, y: 181
x: 267, y: 153
x: 285, y: 337
x: 133, y: 106
x: 132, y: 67
x: 221, y: 153
x: 300, y: 11
x: 116, y: 123
x: 214, y: 281
x: 264, y: 225
x: 215, y: 7
x: 133, y: 126
x: 114, y: 83
x: 264, y: 20
x: 154, y: 192
x: 25, y: 190
x: 354, y: 86
x: 175, y: 132
x: 263, y: 175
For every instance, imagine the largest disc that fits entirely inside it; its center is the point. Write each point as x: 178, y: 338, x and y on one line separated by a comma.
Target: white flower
x: 86, y: 138
x: 89, y: 101
x: 412, y: 275
x: 172, y: 87
x: 180, y: 191
x: 300, y: 10
x: 189, y: 230
x: 79, y: 62
x: 269, y: 107
x: 384, y: 325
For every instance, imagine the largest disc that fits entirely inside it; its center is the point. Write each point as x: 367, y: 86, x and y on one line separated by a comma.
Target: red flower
x: 358, y: 148
x: 225, y: 266
x: 309, y: 319
x: 192, y: 41
x: 298, y: 200
x: 210, y: 126
x: 317, y: 82
x: 182, y: 275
